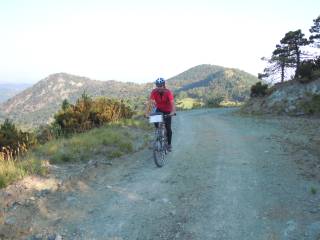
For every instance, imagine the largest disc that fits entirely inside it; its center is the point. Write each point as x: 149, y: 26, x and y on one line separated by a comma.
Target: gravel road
x: 228, y: 177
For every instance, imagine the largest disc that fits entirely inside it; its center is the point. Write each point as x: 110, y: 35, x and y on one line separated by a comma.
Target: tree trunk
x: 298, y: 62
x: 282, y: 72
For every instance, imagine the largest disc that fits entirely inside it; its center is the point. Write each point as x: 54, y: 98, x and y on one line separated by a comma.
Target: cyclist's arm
x: 173, y: 106
x: 173, y: 112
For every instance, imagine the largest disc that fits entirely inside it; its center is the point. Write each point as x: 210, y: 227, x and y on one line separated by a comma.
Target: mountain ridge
x: 39, y: 102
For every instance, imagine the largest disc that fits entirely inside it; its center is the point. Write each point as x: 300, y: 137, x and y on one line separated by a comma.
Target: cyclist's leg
x: 168, y: 129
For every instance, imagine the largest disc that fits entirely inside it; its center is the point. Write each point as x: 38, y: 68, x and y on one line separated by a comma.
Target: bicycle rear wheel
x: 159, y: 153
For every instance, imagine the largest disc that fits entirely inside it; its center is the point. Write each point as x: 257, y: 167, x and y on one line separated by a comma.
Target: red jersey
x: 163, y: 99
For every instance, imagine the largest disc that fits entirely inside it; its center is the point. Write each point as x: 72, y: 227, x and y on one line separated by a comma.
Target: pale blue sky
x: 141, y: 40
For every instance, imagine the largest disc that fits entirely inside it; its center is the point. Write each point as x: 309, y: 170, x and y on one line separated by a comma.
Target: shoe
x: 169, y: 148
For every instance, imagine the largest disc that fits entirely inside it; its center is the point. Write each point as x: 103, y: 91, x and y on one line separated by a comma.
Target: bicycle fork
x: 160, y: 139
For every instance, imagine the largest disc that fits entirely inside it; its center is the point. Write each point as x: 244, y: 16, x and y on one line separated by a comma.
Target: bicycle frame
x: 160, y: 142
x: 161, y: 136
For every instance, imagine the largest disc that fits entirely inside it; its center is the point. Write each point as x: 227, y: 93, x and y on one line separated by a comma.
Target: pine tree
x: 315, y: 33
x: 293, y: 41
x: 65, y: 104
x: 278, y: 63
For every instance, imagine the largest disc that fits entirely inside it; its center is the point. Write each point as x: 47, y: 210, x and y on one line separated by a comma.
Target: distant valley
x: 8, y: 90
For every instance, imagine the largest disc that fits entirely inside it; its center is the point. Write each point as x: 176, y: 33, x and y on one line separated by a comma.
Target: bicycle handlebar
x: 170, y: 115
x: 164, y: 115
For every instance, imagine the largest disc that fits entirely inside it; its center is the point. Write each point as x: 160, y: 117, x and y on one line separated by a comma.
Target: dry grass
x: 111, y: 141
x: 12, y: 170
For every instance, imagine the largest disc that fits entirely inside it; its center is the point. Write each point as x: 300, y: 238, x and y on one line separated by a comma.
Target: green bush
x: 46, y: 133
x: 196, y: 105
x: 214, y: 101
x: 312, y: 105
x: 259, y: 90
x: 309, y: 70
x: 14, y: 142
x: 88, y: 113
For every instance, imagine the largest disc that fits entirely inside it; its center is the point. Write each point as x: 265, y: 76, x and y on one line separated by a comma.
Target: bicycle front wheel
x: 159, y: 153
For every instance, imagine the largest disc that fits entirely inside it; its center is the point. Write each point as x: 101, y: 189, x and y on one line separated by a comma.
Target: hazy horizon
x: 141, y: 40
x: 139, y: 82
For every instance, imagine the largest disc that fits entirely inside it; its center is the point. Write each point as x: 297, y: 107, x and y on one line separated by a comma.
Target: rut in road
x: 225, y: 179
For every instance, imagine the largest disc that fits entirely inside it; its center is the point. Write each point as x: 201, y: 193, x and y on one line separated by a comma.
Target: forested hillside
x: 217, y: 82
x: 203, y: 84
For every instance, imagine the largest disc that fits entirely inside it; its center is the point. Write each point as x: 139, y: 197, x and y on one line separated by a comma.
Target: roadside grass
x: 135, y: 123
x: 110, y: 141
x: 13, y: 170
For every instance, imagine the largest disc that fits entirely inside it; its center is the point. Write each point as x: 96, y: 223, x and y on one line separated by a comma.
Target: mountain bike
x: 160, y: 143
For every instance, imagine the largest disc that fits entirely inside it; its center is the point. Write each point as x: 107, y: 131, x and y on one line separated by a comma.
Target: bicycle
x: 160, y: 142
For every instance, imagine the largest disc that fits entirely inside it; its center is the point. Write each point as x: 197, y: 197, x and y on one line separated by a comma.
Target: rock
x: 43, y: 193
x: 10, y: 221
x: 55, y: 237
x: 313, y: 231
x: 172, y: 213
x: 71, y: 200
x: 92, y: 163
x: 15, y: 205
x: 290, y: 109
x: 36, y: 237
x: 57, y: 221
x: 6, y: 194
x: 315, y: 210
x: 291, y: 227
x: 165, y: 200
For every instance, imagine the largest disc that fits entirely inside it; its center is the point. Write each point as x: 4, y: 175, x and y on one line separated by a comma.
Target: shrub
x: 196, y: 105
x: 309, y: 70
x: 214, y: 101
x: 14, y: 142
x: 312, y: 105
x: 88, y: 113
x: 46, y: 133
x: 259, y: 90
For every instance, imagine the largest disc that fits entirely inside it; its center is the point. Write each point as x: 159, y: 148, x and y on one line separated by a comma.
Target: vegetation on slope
x: 290, y: 61
x: 228, y: 85
x: 202, y: 83
x: 88, y: 129
x: 292, y: 56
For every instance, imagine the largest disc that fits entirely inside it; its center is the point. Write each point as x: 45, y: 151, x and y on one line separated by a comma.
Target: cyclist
x: 162, y: 100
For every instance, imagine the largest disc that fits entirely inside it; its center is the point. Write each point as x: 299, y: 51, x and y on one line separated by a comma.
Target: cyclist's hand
x: 173, y: 114
x: 146, y: 115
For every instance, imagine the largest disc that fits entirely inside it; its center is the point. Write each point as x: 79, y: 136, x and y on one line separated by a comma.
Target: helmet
x: 160, y: 82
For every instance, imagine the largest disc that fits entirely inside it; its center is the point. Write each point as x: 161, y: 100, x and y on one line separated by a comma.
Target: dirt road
x: 228, y: 177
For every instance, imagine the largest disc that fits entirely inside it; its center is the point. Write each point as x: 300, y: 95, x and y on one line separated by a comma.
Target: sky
x: 141, y: 40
